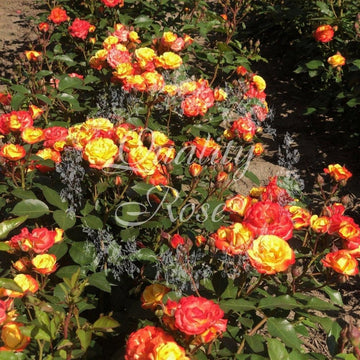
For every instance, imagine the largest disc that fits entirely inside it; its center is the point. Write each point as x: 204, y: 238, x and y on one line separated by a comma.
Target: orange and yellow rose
x: 270, y: 254
x: 100, y: 152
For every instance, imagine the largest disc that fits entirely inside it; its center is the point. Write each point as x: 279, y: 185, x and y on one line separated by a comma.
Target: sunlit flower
x: 100, y: 152
x: 12, y: 152
x: 338, y: 172
x: 270, y: 254
x: 32, y: 55
x: 58, y: 15
x: 342, y: 262
x: 44, y: 263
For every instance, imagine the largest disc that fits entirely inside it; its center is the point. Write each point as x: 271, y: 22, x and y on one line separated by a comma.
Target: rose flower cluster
x: 264, y: 222
x: 135, y: 67
x: 146, y: 153
x: 35, y: 244
x: 194, y: 321
x: 324, y: 34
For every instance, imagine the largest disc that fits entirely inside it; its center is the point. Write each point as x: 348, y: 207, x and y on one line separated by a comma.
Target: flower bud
x: 195, y: 169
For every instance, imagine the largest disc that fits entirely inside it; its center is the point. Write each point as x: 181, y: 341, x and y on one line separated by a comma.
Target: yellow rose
x: 99, y: 124
x: 152, y: 295
x: 169, y: 60
x: 145, y: 54
x: 170, y: 90
x: 270, y: 254
x: 44, y: 263
x: 142, y: 161
x: 336, y: 60
x: 168, y: 38
x: 169, y: 351
x: 109, y: 42
x: 259, y: 82
x: 100, y: 152
x: 123, y: 70
x: 26, y: 282
x: 32, y: 135
x: 320, y: 224
x: 12, y: 152
x: 12, y: 337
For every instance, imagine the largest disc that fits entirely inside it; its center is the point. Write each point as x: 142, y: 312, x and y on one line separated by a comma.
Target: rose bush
x: 122, y: 233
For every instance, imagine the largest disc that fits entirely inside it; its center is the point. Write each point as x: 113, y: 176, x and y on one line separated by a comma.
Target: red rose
x: 79, y: 28
x: 58, y: 15
x: 176, y: 240
x: 324, y: 33
x: 54, y: 134
x: 113, y: 3
x: 194, y: 315
x: 42, y: 239
x: 275, y: 193
x: 269, y: 218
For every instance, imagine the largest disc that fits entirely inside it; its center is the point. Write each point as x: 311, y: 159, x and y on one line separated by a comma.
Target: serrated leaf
x: 334, y: 295
x: 100, y: 281
x: 67, y: 271
x: 282, y: 302
x: 11, y: 224
x: 256, y: 342
x: 64, y: 220
x: 283, y: 329
x: 82, y: 252
x: 52, y: 197
x: 277, y: 350
x: 4, y: 247
x: 59, y: 250
x: 33, y: 208
x: 44, y: 99
x: 21, y: 89
x: 317, y: 304
x: 238, y: 305
x: 92, y: 221
x: 24, y: 194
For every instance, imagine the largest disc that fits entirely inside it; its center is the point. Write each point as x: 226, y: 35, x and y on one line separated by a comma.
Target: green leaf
x: 88, y: 208
x: 23, y: 194
x: 67, y: 271
x: 256, y: 342
x: 105, y: 323
x: 324, y: 8
x: 33, y: 208
x: 42, y: 73
x: 296, y: 355
x: 9, y: 355
x: 4, y: 247
x: 44, y: 99
x: 251, y: 176
x: 353, y: 102
x: 318, y: 304
x: 314, y: 64
x: 342, y: 357
x: 277, y: 350
x: 63, y: 219
x: 10, y: 285
x: 92, y: 221
x: 238, y: 305
x: 129, y: 234
x: 20, y: 89
x: 9, y: 225
x: 66, y: 59
x: 283, y: 329
x: 334, y: 295
x: 84, y: 337
x: 59, y: 250
x: 283, y: 302
x: 142, y: 188
x: 17, y: 100
x: 82, y: 252
x: 52, y: 197
x: 99, y: 281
